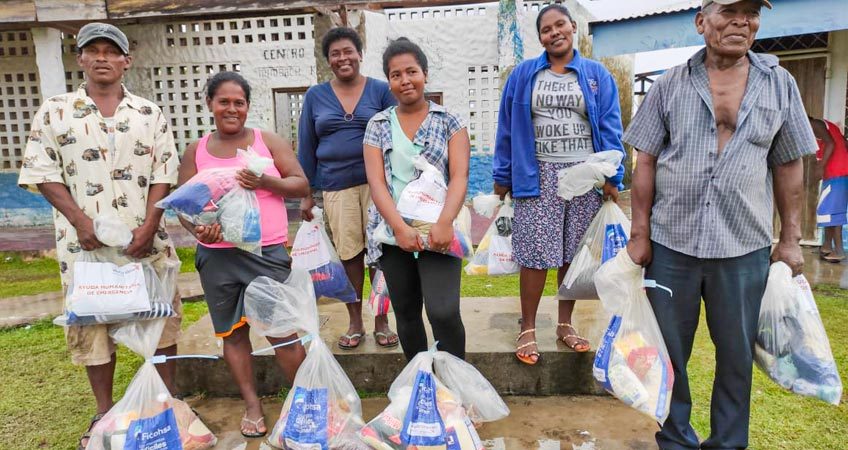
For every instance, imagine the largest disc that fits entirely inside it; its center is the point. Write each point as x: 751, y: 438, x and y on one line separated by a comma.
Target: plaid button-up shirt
x: 433, y: 136
x: 711, y: 205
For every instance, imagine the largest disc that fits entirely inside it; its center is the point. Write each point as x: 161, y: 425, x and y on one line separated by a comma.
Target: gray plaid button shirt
x: 711, y: 205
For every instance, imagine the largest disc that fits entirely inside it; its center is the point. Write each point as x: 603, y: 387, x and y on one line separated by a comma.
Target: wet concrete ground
x: 534, y: 423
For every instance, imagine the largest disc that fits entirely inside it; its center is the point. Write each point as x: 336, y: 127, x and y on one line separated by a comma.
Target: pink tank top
x: 272, y: 208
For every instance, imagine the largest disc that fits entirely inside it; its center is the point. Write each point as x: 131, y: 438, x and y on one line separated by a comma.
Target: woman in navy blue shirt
x: 332, y: 126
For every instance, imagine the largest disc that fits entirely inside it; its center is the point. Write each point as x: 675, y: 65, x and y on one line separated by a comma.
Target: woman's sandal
x: 577, y: 337
x: 255, y: 423
x: 87, y: 435
x: 528, y: 358
x: 388, y: 338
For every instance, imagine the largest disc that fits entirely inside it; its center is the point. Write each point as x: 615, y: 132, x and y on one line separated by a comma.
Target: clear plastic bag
x: 322, y: 410
x: 147, y: 416
x: 792, y: 346
x: 581, y: 178
x: 460, y: 247
x: 606, y: 236
x: 313, y: 251
x: 632, y: 361
x: 494, y: 253
x: 214, y: 196
x: 379, y: 302
x: 435, y: 410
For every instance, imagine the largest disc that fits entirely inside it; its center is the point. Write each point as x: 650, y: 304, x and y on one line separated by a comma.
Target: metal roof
x: 683, y: 5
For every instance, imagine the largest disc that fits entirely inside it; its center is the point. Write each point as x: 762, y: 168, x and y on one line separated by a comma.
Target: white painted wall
x: 837, y: 78
x: 48, y: 57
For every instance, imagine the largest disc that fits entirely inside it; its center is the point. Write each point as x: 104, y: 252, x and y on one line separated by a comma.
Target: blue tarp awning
x: 677, y: 29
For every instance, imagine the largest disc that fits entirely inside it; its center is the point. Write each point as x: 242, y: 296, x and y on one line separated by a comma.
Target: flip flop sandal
x: 833, y: 259
x: 389, y: 343
x: 255, y: 423
x: 358, y: 336
x: 87, y: 435
x: 577, y: 337
x: 528, y: 358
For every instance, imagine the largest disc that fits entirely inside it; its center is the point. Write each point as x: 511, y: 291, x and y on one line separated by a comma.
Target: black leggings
x: 431, y: 281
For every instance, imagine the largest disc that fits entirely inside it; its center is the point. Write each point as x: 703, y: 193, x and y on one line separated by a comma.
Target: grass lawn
x: 46, y: 403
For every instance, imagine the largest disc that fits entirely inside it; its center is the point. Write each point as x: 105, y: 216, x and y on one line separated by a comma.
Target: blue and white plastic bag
x: 632, y: 361
x: 312, y: 250
x: 322, y: 411
x: 434, y: 402
x: 607, y: 234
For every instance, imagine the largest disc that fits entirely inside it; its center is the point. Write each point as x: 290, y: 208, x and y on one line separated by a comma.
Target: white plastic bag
x: 438, y: 409
x: 214, y: 196
x: 494, y: 253
x: 606, y: 236
x: 313, y: 251
x: 632, y: 361
x: 424, y: 197
x: 110, y: 287
x: 792, y: 346
x: 147, y: 417
x: 322, y: 410
x: 379, y: 301
x: 580, y: 178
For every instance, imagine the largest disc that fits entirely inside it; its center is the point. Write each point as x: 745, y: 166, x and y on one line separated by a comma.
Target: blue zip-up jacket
x: 515, y: 165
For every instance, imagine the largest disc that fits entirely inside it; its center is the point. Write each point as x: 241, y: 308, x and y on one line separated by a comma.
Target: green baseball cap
x: 706, y: 3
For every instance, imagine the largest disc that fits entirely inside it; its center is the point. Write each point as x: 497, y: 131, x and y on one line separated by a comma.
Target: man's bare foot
x: 383, y: 334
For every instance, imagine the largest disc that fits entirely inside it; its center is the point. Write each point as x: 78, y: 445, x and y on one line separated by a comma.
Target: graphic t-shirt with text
x: 562, y: 129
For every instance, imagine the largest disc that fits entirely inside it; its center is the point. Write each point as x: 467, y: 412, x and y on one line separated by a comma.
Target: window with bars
x: 288, y: 104
x: 483, y: 106
x: 809, y: 41
x: 19, y: 101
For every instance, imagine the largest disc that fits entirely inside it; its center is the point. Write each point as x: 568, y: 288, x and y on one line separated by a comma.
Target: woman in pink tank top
x: 225, y: 271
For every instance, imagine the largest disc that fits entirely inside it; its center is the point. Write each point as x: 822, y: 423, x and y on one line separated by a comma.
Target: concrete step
x: 491, y: 325
x: 534, y: 423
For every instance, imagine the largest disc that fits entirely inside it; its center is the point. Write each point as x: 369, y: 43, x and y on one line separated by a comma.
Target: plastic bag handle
x: 161, y: 359
x: 303, y: 340
x: 654, y: 285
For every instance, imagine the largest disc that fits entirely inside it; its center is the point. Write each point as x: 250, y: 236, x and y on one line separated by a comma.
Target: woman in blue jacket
x: 555, y: 111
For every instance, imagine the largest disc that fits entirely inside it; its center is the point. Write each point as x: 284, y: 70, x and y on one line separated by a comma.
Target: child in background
x: 393, y: 139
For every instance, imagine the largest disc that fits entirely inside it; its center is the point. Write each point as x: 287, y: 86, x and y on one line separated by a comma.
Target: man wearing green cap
x: 101, y: 150
x: 718, y: 138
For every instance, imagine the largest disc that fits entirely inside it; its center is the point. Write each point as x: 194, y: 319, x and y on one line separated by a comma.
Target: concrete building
x: 177, y: 45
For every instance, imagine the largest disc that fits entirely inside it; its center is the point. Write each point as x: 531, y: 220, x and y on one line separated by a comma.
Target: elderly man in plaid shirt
x: 717, y: 137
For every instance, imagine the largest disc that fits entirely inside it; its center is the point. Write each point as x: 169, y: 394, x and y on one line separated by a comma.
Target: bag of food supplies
x: 460, y: 246
x: 110, y: 287
x: 322, y: 410
x: 148, y: 417
x: 434, y: 403
x: 632, y: 361
x: 581, y: 178
x: 379, y: 301
x: 421, y: 203
x: 313, y: 251
x: 214, y: 196
x: 607, y: 234
x: 792, y: 346
x: 494, y: 253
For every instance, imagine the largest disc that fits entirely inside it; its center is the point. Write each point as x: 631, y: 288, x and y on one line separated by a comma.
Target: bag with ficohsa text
x: 148, y: 417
